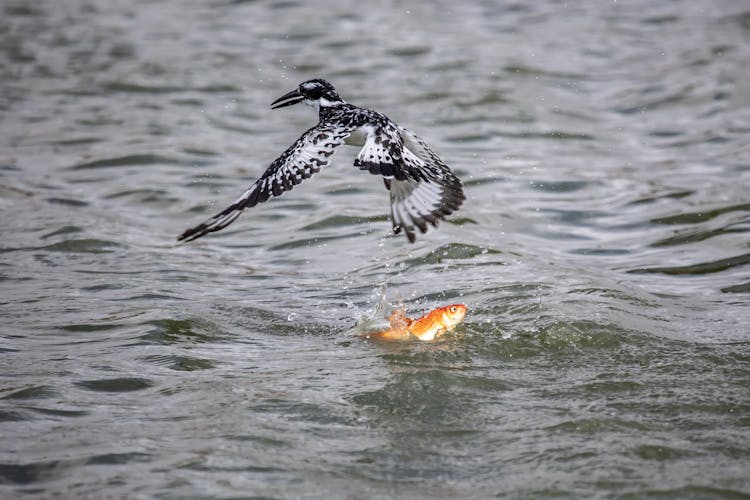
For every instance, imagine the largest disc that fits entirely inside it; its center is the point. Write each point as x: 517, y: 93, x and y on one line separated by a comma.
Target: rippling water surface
x: 603, y: 252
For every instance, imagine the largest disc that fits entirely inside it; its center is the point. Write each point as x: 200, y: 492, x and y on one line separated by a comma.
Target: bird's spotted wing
x: 422, y: 199
x: 310, y: 153
x: 435, y: 167
x: 383, y: 154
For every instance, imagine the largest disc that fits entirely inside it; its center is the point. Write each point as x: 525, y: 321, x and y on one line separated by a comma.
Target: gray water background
x: 603, y: 253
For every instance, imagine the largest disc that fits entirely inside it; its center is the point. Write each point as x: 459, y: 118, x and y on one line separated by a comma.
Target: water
x: 603, y: 253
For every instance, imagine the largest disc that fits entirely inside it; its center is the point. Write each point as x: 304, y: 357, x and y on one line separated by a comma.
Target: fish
x: 426, y: 328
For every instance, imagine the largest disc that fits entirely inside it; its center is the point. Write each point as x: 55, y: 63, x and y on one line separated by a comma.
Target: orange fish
x: 429, y: 327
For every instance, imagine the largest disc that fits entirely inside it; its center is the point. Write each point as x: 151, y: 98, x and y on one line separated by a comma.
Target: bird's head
x: 317, y: 93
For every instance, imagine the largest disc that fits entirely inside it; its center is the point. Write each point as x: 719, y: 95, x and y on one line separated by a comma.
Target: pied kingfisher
x: 423, y: 188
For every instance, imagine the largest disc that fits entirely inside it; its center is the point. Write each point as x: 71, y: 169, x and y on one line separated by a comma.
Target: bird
x: 423, y: 189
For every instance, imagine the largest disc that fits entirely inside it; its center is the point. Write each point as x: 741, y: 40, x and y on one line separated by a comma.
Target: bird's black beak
x: 287, y: 99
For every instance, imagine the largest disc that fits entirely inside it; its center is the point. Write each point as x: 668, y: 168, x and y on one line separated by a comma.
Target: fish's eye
x: 454, y: 309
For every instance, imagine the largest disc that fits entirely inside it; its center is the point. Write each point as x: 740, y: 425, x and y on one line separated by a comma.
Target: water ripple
x: 700, y: 268
x: 126, y: 384
x: 143, y: 159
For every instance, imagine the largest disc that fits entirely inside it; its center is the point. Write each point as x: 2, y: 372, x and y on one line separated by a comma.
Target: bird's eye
x: 314, y: 93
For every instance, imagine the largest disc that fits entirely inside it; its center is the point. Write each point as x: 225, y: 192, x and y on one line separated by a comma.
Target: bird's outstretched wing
x: 383, y: 154
x: 425, y: 198
x: 311, y: 152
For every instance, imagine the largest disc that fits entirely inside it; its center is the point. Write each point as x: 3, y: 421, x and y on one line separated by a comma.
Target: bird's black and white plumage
x: 423, y: 188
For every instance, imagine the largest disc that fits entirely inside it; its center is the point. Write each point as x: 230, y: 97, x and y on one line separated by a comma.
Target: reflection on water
x: 602, y: 252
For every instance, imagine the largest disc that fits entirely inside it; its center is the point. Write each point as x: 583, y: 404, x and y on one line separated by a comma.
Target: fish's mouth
x: 288, y: 99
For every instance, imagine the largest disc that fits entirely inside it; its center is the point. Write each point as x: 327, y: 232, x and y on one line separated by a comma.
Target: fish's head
x: 452, y: 315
